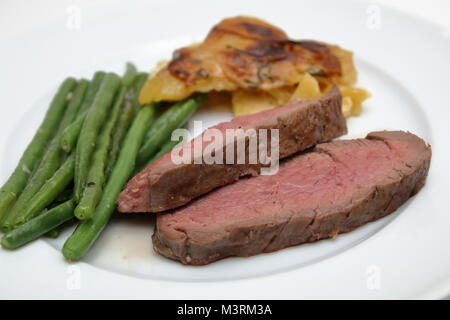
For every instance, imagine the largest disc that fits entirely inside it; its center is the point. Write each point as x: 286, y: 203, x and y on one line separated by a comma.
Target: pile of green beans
x: 49, y: 164
x: 35, y: 150
x: 94, y: 136
x: 88, y: 231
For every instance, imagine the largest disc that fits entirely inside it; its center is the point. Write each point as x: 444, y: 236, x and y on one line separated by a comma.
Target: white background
x: 19, y: 16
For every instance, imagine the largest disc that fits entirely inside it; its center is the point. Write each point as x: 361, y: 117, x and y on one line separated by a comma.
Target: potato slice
x: 347, y: 104
x: 308, y: 88
x: 252, y: 101
x: 247, y: 101
x: 357, y: 95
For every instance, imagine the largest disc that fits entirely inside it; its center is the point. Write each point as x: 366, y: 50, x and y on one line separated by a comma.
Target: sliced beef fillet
x: 335, y: 188
x: 165, y: 185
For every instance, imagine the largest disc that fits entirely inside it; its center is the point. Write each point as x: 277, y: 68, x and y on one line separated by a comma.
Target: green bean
x: 161, y: 130
x: 35, y: 150
x: 130, y: 75
x: 50, y: 163
x: 88, y: 230
x: 162, y: 120
x: 141, y: 78
x: 47, y: 167
x: 70, y: 135
x: 62, y: 197
x: 91, y: 125
x: 49, y: 191
x: 149, y: 149
x: 127, y: 114
x: 38, y: 226
x: 120, y: 130
x: 55, y: 232
x: 96, y: 174
x: 138, y: 83
x: 77, y: 100
x: 166, y: 148
x: 92, y: 90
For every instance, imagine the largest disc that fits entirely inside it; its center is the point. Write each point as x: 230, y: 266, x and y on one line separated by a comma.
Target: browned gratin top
x: 241, y: 52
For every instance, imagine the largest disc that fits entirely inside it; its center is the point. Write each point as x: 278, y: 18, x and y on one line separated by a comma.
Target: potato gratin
x: 253, y: 66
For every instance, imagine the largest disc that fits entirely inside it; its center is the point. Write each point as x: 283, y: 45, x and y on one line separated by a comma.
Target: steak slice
x: 336, y: 188
x: 165, y: 185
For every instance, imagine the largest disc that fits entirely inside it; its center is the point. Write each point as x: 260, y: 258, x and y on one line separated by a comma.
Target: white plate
x: 401, y: 60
